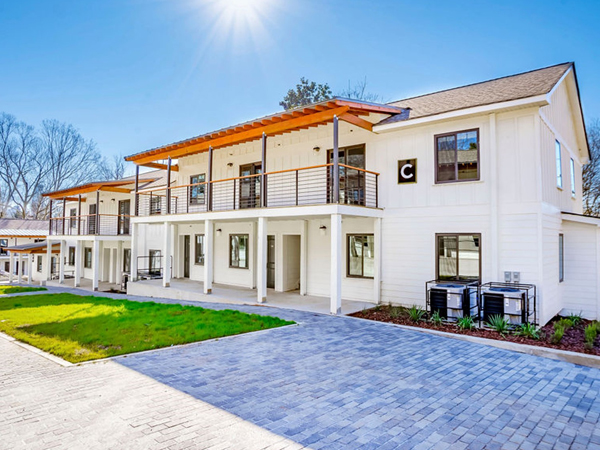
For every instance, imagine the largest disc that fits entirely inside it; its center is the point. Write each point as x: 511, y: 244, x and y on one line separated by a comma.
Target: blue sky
x: 136, y: 74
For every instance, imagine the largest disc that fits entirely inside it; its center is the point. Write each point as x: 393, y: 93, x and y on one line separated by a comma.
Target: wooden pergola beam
x: 355, y: 120
x: 154, y: 165
x: 251, y: 134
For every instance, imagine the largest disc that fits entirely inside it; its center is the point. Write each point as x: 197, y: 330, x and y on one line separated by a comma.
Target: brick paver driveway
x: 330, y: 382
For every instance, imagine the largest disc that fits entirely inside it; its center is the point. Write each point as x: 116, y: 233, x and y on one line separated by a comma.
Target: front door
x: 271, y: 262
x: 186, y: 256
x: 250, y: 187
x: 124, y: 211
x: 352, y: 182
x: 92, y: 219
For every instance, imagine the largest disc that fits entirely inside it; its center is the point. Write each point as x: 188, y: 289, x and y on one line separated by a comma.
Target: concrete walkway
x: 330, y: 382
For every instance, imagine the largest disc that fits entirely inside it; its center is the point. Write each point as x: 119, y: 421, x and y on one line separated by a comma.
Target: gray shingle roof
x: 513, y: 87
x: 21, y: 224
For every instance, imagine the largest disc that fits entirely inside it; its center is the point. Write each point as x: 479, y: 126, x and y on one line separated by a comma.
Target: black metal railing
x: 151, y: 267
x: 91, y: 225
x: 293, y: 187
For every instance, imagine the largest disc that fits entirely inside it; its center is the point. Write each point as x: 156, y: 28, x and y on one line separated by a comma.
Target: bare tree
x: 359, y: 92
x: 591, y: 172
x: 113, y: 168
x: 22, y: 164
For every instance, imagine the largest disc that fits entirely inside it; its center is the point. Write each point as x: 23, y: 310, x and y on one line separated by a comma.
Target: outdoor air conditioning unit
x: 452, y: 300
x: 508, y: 302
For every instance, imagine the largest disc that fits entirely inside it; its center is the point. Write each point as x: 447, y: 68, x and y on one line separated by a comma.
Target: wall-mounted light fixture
x: 322, y: 230
x: 219, y: 231
x: 101, y: 201
x: 316, y: 149
x: 229, y: 164
x: 113, y: 200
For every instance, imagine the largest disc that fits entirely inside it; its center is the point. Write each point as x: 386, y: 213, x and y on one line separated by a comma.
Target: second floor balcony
x: 304, y: 186
x: 91, y: 225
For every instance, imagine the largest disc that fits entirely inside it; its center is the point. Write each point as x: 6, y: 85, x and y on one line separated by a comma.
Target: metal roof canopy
x: 303, y: 117
x: 36, y: 247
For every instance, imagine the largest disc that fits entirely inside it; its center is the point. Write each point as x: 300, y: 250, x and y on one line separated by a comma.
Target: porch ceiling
x: 284, y: 122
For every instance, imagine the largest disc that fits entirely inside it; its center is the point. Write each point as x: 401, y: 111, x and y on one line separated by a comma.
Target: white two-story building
x: 363, y: 201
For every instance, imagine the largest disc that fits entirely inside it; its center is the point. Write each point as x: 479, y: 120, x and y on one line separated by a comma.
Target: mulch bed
x: 573, y: 339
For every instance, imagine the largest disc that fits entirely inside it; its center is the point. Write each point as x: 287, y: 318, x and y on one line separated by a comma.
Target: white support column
x: 336, y: 264
x: 377, y: 261
x: 20, y: 269
x: 303, y: 257
x: 208, y: 255
x: 97, y: 248
x: 31, y: 259
x: 48, y: 260
x: 61, y: 262
x: 261, y: 260
x: 78, y: 262
x: 119, y: 263
x: 167, y: 255
x: 175, y: 250
x: 11, y: 269
x: 134, y: 252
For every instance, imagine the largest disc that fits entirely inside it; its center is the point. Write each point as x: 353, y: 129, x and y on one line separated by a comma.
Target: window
x: 73, y: 218
x: 87, y: 258
x: 3, y: 245
x: 572, y: 177
x: 71, y: 256
x: 561, y: 258
x: 199, y: 250
x: 458, y: 257
x: 238, y: 251
x: 92, y: 218
x: 155, y: 205
x: 559, y: 180
x: 126, y: 260
x: 197, y: 191
x: 360, y: 256
x: 457, y: 156
x: 124, y: 211
x: 155, y: 262
x: 39, y: 263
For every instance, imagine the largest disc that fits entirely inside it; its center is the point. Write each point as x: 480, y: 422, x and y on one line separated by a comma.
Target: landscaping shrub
x: 436, y: 319
x: 575, y: 319
x: 559, y: 330
x: 591, y: 331
x: 416, y: 313
x: 528, y: 330
x: 498, y: 323
x: 465, y: 323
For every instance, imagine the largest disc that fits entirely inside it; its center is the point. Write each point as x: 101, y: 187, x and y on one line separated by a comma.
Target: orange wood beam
x: 251, y: 134
x: 153, y: 165
x: 115, y: 189
x: 362, y: 123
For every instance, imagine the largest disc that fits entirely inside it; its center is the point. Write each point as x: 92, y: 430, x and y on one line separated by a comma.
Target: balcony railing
x: 90, y: 225
x: 294, y: 187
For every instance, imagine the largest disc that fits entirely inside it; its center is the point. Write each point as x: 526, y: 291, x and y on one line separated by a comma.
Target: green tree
x: 306, y: 92
x: 591, y: 172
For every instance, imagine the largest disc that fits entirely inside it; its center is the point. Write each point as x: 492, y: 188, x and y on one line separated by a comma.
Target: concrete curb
x: 581, y: 359
x: 37, y: 351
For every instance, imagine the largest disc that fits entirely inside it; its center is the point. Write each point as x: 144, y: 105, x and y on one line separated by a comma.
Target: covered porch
x: 190, y: 290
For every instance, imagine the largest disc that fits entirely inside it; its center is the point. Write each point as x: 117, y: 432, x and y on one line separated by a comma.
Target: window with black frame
x: 87, y: 258
x: 39, y: 263
x: 197, y: 190
x: 154, y: 263
x: 155, y: 205
x: 71, y: 256
x: 459, y: 257
x: 352, y: 181
x: 73, y: 218
x: 238, y: 251
x: 3, y: 245
x: 361, y: 256
x: 199, y: 250
x: 457, y: 157
x: 126, y: 260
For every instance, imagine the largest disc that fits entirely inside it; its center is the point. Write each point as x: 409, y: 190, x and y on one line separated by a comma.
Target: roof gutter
x: 539, y: 100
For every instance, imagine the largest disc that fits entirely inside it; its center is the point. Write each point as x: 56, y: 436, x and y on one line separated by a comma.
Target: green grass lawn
x: 79, y: 328
x: 16, y: 289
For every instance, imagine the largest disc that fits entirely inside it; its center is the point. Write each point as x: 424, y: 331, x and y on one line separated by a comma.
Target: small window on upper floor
x: 559, y: 180
x: 573, y: 191
x: 457, y: 157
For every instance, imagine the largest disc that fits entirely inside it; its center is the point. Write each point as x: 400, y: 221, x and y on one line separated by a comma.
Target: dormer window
x: 457, y: 156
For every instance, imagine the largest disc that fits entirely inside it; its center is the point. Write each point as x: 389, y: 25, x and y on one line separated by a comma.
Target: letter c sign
x: 407, y: 171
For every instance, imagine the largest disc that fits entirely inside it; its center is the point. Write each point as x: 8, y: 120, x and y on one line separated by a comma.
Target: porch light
x: 322, y: 229
x: 219, y: 232
x: 229, y: 164
x: 316, y: 149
